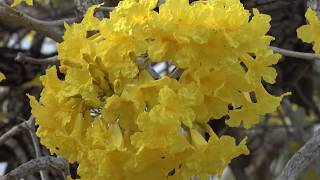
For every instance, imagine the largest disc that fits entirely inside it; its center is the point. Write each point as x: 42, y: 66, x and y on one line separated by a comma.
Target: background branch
x: 35, y: 141
x: 14, y: 130
x: 35, y: 165
x: 20, y: 19
x: 301, y: 159
x: 43, y: 61
x: 295, y: 54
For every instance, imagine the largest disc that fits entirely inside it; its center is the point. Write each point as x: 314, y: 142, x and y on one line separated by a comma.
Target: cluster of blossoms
x: 145, y: 128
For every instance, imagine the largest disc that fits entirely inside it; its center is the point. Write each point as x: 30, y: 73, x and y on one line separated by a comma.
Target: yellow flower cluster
x: 17, y: 2
x: 310, y: 33
x: 2, y: 76
x: 108, y: 113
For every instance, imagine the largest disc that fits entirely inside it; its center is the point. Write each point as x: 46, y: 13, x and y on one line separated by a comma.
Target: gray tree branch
x: 36, y: 145
x: 301, y: 159
x: 301, y: 55
x: 14, y: 130
x: 35, y: 165
x: 44, y: 61
x: 20, y: 19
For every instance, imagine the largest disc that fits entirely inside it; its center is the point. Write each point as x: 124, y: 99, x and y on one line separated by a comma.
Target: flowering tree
x: 106, y: 107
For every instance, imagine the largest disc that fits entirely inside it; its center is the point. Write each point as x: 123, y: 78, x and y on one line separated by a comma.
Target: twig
x: 295, y: 54
x: 309, y: 102
x: 294, y: 119
x: 160, y: 2
x: 104, y: 8
x: 144, y: 62
x: 301, y: 159
x: 43, y: 61
x: 176, y: 73
x: 18, y: 18
x: 14, y: 130
x: 152, y: 72
x: 36, y: 165
x: 283, y: 120
x: 58, y: 22
x: 35, y: 141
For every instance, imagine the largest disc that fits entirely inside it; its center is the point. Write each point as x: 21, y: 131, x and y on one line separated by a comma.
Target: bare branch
x: 59, y: 22
x: 35, y: 141
x: 160, y: 2
x: 44, y: 61
x: 83, y: 5
x: 176, y: 73
x: 35, y: 165
x: 295, y: 120
x: 152, y: 72
x: 143, y: 62
x: 104, y: 8
x: 295, y: 54
x: 301, y: 159
x: 18, y: 18
x: 14, y: 130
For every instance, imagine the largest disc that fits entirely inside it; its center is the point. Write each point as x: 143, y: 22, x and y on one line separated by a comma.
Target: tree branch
x: 295, y: 120
x: 58, y: 22
x: 301, y: 55
x: 104, y: 8
x: 35, y: 165
x: 152, y: 72
x: 36, y: 145
x: 44, y: 61
x: 18, y: 18
x: 176, y: 73
x: 301, y: 159
x: 14, y: 130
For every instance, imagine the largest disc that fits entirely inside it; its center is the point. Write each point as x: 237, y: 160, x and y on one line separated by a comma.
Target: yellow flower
x: 310, y: 33
x: 17, y: 2
x: 61, y: 129
x: 2, y: 76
